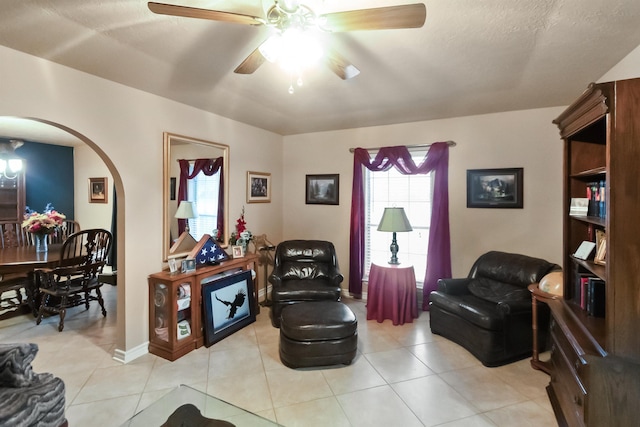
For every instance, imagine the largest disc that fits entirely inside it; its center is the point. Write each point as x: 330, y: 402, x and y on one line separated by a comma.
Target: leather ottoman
x: 318, y: 333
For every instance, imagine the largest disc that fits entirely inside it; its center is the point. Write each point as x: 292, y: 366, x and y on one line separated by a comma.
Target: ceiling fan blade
x: 251, y: 63
x: 381, y: 18
x: 194, y: 12
x: 343, y: 68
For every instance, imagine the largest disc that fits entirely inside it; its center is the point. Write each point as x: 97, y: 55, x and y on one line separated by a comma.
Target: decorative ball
x: 552, y: 283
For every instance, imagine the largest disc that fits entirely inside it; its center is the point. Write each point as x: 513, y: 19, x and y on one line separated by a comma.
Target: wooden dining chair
x: 74, y: 281
x: 13, y: 235
x: 67, y: 228
x: 12, y: 284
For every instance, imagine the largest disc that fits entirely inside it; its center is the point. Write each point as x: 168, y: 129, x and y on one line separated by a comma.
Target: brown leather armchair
x: 490, y: 312
x: 304, y: 270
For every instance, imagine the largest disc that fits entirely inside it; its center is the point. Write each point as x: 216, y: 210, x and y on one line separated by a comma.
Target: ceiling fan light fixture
x: 292, y: 49
x: 284, y: 16
x: 271, y: 48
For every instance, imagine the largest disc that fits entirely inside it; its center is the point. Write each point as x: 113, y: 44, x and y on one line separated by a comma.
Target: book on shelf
x: 603, y: 210
x: 596, y: 297
x: 596, y: 205
x: 584, y: 281
x: 580, y: 289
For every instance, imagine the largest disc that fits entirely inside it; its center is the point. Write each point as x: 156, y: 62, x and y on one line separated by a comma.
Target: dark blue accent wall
x: 49, y: 176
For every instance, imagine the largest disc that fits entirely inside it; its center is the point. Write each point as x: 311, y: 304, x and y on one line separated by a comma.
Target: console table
x: 391, y: 294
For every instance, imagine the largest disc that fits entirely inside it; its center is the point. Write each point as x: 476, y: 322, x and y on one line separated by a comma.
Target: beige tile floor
x: 402, y: 376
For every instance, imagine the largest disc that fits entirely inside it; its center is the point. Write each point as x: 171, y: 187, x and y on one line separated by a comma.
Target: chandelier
x: 294, y: 44
x: 10, y: 163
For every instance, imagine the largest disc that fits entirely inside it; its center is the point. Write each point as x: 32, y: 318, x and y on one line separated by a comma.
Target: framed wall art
x: 97, y: 190
x: 258, y: 187
x: 228, y: 305
x: 494, y: 188
x: 322, y: 189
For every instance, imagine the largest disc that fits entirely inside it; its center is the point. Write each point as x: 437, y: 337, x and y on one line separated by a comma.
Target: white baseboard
x: 127, y: 356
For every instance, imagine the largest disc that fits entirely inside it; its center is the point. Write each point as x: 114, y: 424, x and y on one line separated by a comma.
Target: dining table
x: 25, y: 260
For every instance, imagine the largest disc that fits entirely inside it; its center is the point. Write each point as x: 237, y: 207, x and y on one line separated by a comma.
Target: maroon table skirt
x: 391, y: 294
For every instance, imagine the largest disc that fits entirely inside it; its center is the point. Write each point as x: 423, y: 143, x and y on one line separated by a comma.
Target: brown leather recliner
x: 304, y: 270
x: 489, y: 312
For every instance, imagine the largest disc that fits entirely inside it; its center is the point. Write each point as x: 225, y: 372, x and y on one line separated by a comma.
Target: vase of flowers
x: 241, y: 236
x: 42, y: 242
x: 42, y: 224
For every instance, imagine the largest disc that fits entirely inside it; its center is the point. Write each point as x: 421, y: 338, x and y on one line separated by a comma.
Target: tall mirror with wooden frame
x: 202, y: 191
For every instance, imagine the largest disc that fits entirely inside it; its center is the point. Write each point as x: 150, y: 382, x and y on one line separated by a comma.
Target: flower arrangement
x: 42, y: 223
x: 241, y: 235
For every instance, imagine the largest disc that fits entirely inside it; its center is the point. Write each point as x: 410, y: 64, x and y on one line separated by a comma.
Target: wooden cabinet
x: 175, y: 307
x: 12, y: 198
x: 601, y: 133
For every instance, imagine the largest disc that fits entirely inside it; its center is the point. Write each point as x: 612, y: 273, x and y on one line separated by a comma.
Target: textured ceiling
x: 470, y: 57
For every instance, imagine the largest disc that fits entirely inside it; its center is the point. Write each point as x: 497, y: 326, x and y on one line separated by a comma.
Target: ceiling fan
x: 293, y: 17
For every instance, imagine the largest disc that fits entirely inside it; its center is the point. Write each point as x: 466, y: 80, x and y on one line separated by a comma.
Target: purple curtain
x: 208, y: 167
x: 439, y: 250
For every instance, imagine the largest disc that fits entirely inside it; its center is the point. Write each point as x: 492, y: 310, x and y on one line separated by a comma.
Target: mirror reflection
x: 195, y: 189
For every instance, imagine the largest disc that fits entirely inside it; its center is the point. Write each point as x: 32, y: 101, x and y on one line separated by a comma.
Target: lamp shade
x: 186, y: 210
x: 394, y: 219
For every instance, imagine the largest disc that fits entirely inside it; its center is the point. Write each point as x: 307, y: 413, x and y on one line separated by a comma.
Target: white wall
x: 525, y: 139
x: 87, y: 164
x: 126, y: 126
x: 628, y: 68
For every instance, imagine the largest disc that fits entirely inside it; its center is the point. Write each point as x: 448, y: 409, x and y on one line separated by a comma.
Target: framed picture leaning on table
x: 228, y: 305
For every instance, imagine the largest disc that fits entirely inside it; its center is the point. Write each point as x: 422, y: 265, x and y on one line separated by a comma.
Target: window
x: 414, y: 194
x: 205, y: 190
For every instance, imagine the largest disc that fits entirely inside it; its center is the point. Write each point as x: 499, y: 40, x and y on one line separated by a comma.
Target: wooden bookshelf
x: 600, y: 130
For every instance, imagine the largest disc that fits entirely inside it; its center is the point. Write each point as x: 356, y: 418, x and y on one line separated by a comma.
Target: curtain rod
x: 192, y: 160
x: 449, y: 143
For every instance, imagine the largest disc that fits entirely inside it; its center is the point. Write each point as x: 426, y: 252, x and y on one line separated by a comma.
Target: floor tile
x: 316, y: 413
x: 427, y: 397
x: 398, y: 365
x: 377, y: 407
x: 402, y: 376
x: 481, y: 386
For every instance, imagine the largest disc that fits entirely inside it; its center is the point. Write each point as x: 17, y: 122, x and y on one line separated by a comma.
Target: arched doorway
x: 44, y: 131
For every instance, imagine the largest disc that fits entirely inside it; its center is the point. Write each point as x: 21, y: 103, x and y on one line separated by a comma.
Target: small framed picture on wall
x: 258, y: 187
x: 98, y: 190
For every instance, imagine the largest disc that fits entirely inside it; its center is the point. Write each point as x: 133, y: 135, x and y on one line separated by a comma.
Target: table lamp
x: 394, y: 220
x: 186, y: 210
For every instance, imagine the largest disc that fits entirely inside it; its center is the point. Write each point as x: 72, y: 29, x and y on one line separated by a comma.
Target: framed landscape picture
x: 228, y: 305
x: 258, y: 187
x: 322, y: 189
x: 494, y: 188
